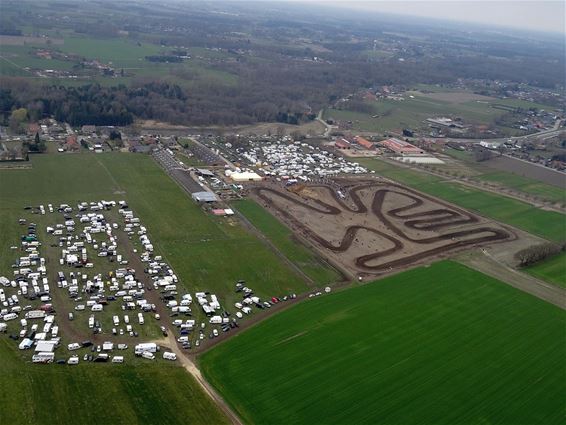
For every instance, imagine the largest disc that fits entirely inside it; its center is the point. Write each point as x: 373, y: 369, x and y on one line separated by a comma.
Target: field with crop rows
x: 435, y: 345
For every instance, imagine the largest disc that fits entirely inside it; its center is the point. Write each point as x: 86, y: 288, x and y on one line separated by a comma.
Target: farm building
x: 342, y: 144
x: 364, y: 143
x: 245, y: 177
x: 401, y: 147
x: 204, y: 196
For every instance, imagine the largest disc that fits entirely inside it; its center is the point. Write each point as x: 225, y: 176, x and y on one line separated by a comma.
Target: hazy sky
x: 542, y: 15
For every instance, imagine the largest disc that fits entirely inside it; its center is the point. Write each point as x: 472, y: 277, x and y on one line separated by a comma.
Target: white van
x: 97, y: 307
x: 73, y: 360
x: 118, y: 359
x: 148, y: 355
x: 169, y: 356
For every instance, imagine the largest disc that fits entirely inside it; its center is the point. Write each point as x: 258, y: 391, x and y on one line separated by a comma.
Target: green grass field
x: 436, y: 345
x: 282, y: 238
x: 100, y: 394
x: 546, y: 224
x: 552, y: 270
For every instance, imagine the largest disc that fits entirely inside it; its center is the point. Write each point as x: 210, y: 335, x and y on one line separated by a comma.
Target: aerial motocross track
x: 405, y: 226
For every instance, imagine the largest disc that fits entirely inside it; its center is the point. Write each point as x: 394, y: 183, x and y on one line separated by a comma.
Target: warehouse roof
x: 204, y: 196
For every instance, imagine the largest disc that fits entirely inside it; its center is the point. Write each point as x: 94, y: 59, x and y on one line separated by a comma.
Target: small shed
x: 204, y: 172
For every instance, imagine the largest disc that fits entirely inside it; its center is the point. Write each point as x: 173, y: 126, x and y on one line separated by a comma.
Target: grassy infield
x: 405, y: 350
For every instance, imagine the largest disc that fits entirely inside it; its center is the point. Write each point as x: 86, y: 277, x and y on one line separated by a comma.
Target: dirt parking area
x: 370, y: 227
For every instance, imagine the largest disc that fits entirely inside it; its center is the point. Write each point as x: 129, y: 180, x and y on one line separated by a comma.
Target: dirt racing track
x: 369, y: 227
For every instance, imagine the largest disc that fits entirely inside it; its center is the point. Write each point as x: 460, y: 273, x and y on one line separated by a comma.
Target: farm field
x: 411, y: 112
x: 435, y: 345
x: 526, y: 185
x: 98, y: 394
x: 122, y: 53
x: 530, y: 185
x: 546, y: 224
x: 552, y: 270
x: 282, y: 237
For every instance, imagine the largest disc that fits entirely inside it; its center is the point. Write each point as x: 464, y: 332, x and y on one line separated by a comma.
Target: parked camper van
x: 148, y: 355
x: 169, y: 356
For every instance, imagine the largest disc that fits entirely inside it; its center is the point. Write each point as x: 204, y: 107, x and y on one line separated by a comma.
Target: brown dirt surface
x: 376, y: 226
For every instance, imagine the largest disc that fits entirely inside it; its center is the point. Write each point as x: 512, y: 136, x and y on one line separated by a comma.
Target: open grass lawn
x: 100, y: 394
x: 282, y: 238
x: 552, y: 270
x: 546, y: 224
x: 435, y: 345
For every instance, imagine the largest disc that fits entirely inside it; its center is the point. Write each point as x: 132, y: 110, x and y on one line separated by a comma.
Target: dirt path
x: 191, y: 368
x: 486, y: 264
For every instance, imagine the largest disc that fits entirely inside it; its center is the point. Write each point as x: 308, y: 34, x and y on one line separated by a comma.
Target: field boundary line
x: 524, y: 282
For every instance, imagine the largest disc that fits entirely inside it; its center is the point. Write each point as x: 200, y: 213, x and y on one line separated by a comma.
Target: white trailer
x: 43, y: 357
x: 150, y: 347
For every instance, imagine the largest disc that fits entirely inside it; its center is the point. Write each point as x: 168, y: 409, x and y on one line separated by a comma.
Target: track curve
x: 446, y: 217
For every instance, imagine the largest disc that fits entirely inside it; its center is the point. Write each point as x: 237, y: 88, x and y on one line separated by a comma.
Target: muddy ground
x: 370, y: 227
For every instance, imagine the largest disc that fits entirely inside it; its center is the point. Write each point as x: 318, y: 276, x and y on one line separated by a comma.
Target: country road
x: 194, y: 371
